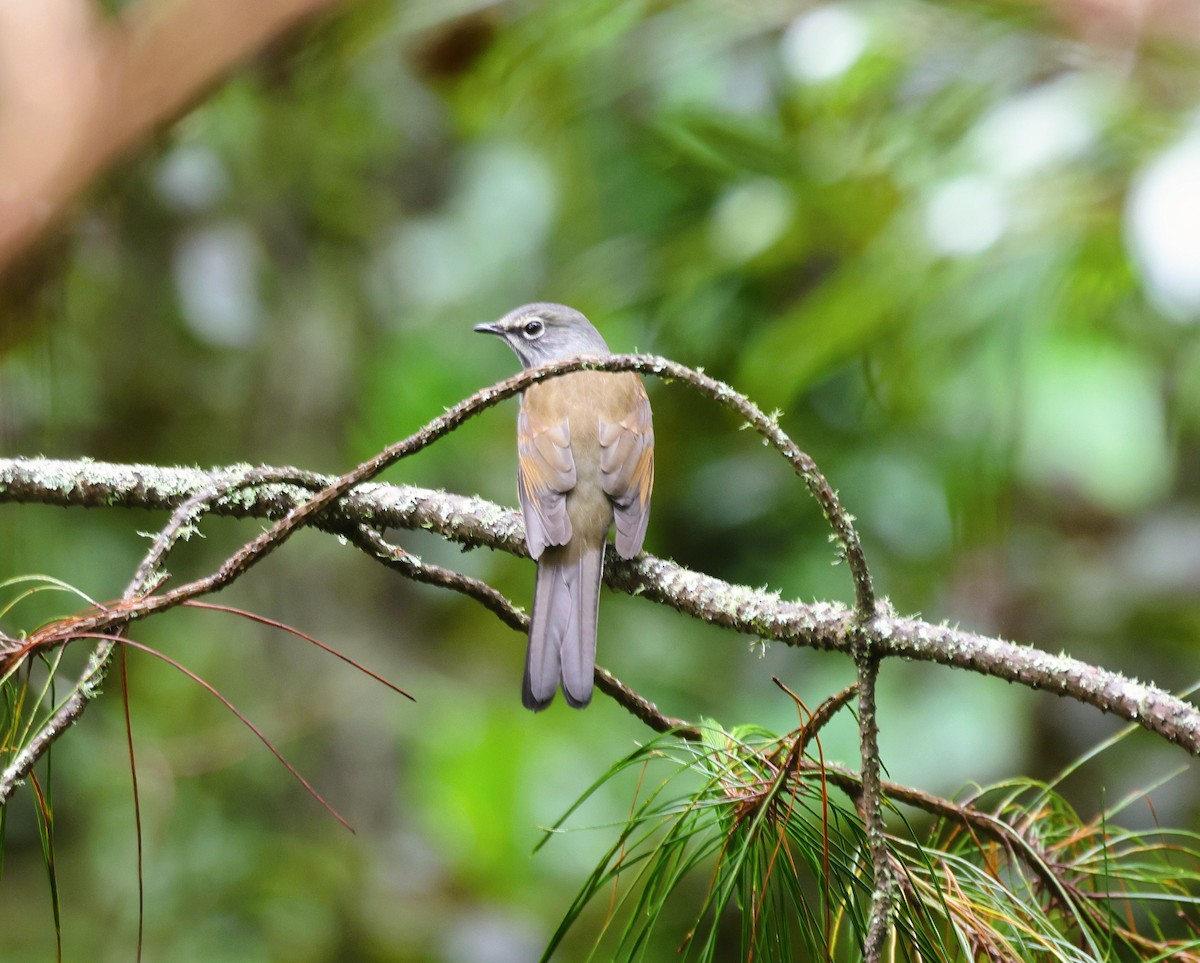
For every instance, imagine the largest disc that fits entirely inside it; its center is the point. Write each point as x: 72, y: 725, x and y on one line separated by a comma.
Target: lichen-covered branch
x: 870, y: 801
x: 473, y: 521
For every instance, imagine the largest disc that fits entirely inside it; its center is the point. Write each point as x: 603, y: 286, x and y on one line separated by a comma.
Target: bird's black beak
x: 490, y: 328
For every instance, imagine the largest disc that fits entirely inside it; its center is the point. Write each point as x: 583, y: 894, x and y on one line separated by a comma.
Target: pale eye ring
x: 534, y: 328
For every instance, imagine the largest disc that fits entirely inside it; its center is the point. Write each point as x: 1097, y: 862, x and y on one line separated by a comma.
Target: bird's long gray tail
x: 562, y: 629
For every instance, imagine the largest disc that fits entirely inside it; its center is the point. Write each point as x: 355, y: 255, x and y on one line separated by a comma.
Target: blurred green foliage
x: 913, y: 227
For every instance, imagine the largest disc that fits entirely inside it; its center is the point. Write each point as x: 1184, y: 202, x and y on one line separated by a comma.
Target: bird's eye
x: 534, y: 328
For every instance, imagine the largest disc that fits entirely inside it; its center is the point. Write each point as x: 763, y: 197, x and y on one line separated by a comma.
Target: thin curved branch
x: 411, y: 566
x: 975, y: 820
x: 417, y: 569
x: 311, y: 510
x: 473, y: 521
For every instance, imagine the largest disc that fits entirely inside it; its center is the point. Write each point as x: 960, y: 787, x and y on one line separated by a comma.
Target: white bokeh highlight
x: 824, y: 43
x: 1162, y: 228
x: 1040, y: 128
x: 191, y: 178
x: 749, y: 217
x: 1009, y: 155
x: 215, y: 270
x: 965, y: 215
x: 490, y: 231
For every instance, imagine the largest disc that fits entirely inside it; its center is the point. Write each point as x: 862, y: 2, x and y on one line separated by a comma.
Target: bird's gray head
x: 542, y: 332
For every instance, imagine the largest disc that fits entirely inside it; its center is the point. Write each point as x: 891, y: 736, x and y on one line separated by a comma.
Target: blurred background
x: 957, y: 246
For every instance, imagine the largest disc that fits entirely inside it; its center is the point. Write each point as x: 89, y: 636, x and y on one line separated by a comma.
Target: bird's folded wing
x: 627, y: 469
x: 545, y: 473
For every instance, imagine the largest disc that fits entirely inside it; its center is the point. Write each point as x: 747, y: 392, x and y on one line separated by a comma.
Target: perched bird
x: 585, y: 456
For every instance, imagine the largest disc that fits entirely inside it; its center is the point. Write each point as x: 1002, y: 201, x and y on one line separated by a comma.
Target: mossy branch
x: 477, y: 522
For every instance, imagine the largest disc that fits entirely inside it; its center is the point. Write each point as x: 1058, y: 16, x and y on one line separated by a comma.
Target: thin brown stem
x: 969, y: 817
x: 374, y: 544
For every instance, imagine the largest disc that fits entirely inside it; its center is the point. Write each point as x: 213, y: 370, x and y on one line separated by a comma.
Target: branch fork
x: 358, y: 509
